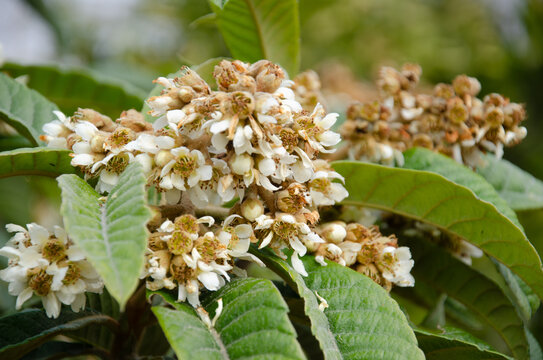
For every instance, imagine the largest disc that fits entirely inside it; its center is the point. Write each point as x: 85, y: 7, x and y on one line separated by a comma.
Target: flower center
x: 180, y: 243
x: 39, y: 281
x: 54, y: 250
x: 185, y: 165
x: 72, y: 274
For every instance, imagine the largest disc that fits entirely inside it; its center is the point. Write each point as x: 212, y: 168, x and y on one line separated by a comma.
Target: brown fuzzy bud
x: 465, y: 85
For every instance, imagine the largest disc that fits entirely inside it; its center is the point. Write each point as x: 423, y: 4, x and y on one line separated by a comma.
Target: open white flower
x: 187, y: 168
x: 49, y: 266
x: 396, y: 265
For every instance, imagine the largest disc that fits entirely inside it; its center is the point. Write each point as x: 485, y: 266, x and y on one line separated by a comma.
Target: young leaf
x: 486, y: 299
x: 28, y: 329
x: 72, y: 88
x: 453, y: 344
x: 112, y: 234
x: 253, y: 324
x: 24, y: 109
x: 435, y: 200
x: 361, y: 322
x: 261, y: 29
x: 521, y: 190
x: 35, y: 161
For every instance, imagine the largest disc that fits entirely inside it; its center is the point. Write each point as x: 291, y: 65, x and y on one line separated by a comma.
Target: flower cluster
x: 251, y: 139
x: 49, y: 266
x: 452, y: 120
x: 188, y: 255
x: 367, y: 251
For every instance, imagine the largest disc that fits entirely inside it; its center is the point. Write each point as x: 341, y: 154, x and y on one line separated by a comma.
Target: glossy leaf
x: 361, y: 322
x: 431, y: 198
x: 482, y: 296
x: 521, y: 190
x: 112, y: 234
x: 253, y: 324
x: 261, y: 29
x: 35, y: 161
x: 28, y: 329
x: 72, y: 88
x: 24, y: 109
x: 452, y: 344
x: 423, y: 159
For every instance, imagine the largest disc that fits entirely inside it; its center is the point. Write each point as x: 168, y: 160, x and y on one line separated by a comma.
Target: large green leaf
x: 35, y: 161
x: 452, y: 344
x: 423, y: 159
x: 72, y: 88
x: 253, y: 324
x: 431, y: 198
x: 426, y: 160
x: 28, y: 329
x: 24, y: 109
x: 435, y: 266
x: 112, y: 234
x: 261, y: 29
x: 361, y: 322
x: 521, y: 190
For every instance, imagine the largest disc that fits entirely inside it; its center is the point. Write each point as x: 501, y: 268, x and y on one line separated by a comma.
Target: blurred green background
x: 498, y: 41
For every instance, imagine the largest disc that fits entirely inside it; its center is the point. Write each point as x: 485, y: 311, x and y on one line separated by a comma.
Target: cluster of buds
x: 367, y: 251
x: 251, y: 139
x: 452, y: 120
x: 47, y: 265
x: 188, y: 254
x: 307, y: 88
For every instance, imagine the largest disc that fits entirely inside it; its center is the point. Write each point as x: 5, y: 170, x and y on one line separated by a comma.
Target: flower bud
x: 252, y: 208
x: 163, y: 157
x: 241, y: 164
x: 334, y: 233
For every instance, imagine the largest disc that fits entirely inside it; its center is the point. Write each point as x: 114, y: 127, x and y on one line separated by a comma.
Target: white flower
x: 324, y: 191
x: 57, y: 130
x: 396, y: 266
x: 47, y: 265
x: 187, y: 168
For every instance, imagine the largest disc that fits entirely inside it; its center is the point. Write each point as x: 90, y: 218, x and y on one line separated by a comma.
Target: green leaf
x: 28, y: 329
x: 24, y: 109
x: 521, y: 190
x: 431, y: 198
x: 253, y: 324
x: 435, y: 266
x: 112, y: 234
x: 99, y: 336
x: 73, y: 88
x: 261, y: 29
x: 423, y: 159
x: 36, y: 161
x: 453, y: 344
x: 362, y: 320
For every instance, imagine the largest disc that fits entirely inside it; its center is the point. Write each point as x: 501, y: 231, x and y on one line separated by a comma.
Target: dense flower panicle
x: 367, y: 251
x: 189, y: 256
x: 251, y: 139
x: 48, y: 265
x: 452, y: 120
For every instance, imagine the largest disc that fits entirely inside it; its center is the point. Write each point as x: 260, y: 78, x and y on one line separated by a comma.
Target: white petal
x: 266, y: 240
x: 82, y: 160
x: 210, y: 280
x: 297, y: 264
x: 23, y: 297
x: 51, y: 305
x: 15, y: 228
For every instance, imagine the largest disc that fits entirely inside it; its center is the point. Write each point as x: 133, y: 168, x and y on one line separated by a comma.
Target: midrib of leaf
x: 103, y: 230
x: 219, y: 342
x: 252, y: 10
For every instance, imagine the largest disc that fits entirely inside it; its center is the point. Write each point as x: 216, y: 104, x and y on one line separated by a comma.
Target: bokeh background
x: 498, y: 41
